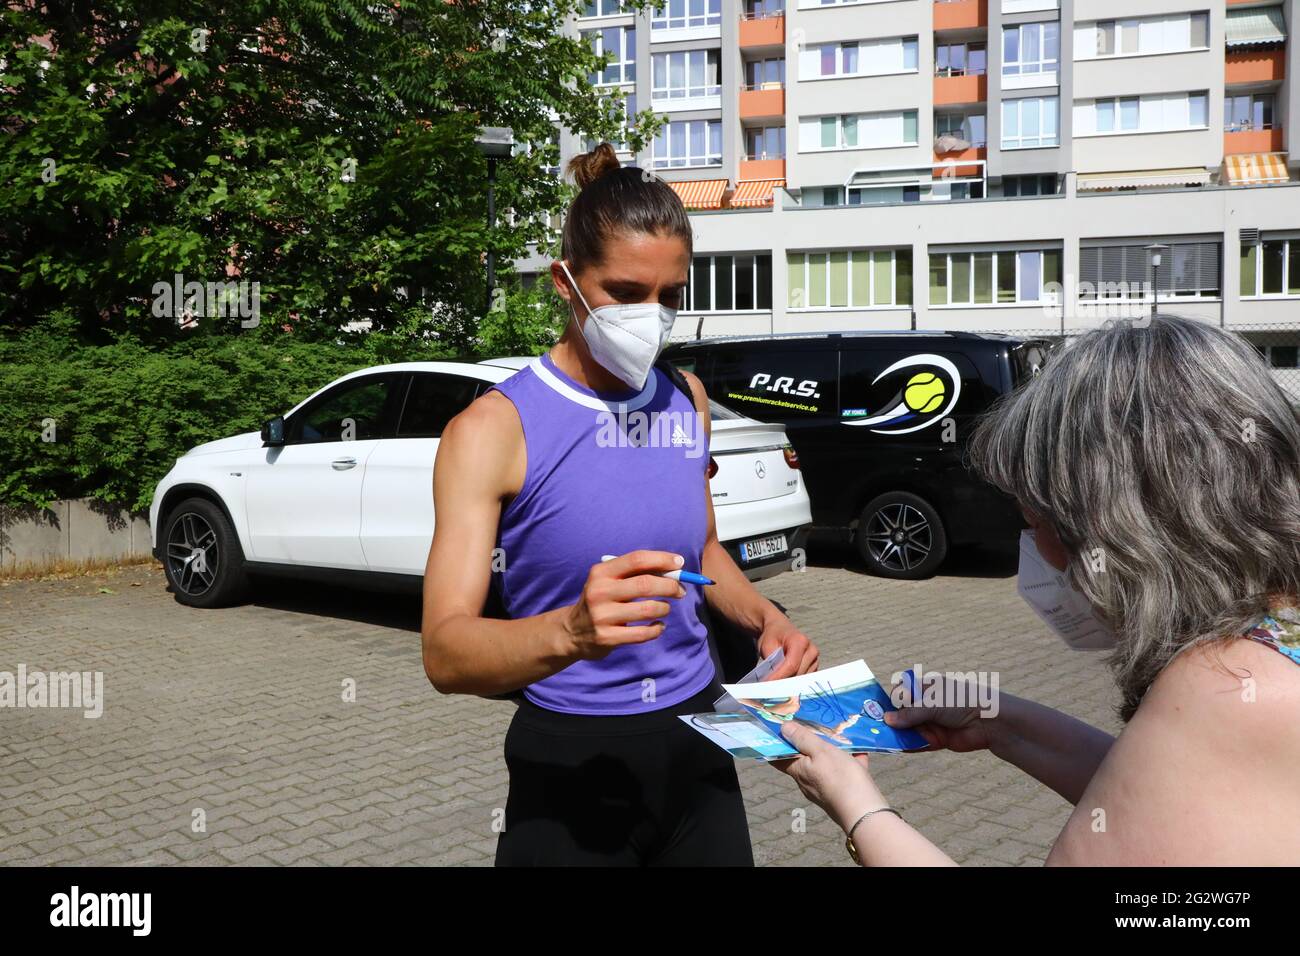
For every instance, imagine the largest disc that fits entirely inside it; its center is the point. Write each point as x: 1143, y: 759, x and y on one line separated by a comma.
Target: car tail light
x: 713, y: 466
x: 791, y: 456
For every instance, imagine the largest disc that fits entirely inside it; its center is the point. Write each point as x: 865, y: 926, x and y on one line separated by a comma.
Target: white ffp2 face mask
x: 1061, y: 607
x: 625, y: 338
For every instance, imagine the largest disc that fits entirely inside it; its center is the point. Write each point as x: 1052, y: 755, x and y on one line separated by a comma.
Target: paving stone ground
x: 238, y: 715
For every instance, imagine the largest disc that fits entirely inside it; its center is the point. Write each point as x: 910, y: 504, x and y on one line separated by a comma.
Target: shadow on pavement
x: 398, y: 610
x: 1000, y: 560
x: 401, y: 610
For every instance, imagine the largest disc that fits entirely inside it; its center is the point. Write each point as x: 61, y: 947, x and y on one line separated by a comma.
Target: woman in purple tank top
x: 591, y: 451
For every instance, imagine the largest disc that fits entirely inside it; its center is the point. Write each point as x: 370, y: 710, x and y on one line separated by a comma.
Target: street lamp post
x: 1155, y: 251
x: 494, y: 142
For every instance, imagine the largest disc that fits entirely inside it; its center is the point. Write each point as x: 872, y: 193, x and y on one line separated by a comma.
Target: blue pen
x: 686, y: 577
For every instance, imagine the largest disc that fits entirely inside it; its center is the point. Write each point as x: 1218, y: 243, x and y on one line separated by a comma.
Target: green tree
x: 322, y: 150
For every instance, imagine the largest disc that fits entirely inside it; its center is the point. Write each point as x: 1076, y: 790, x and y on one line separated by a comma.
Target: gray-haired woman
x: 1158, y: 467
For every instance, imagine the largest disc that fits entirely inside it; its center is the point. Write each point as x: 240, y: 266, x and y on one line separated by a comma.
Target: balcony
x: 762, y: 168
x: 1254, y: 66
x: 960, y: 90
x: 762, y: 30
x: 961, y: 15
x: 974, y: 152
x: 765, y: 101
x: 1252, y: 141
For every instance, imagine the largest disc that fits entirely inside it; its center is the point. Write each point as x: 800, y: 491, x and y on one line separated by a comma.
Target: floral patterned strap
x: 1280, y: 631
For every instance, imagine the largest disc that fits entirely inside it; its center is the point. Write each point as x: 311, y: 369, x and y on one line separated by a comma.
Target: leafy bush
x: 108, y: 421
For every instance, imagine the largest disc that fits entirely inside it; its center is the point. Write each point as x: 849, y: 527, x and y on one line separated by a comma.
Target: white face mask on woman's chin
x: 1055, y: 600
x: 625, y: 338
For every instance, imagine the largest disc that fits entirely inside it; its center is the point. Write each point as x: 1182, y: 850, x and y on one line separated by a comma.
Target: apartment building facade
x: 970, y: 164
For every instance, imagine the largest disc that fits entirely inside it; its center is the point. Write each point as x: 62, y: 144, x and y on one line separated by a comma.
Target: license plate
x: 762, y: 547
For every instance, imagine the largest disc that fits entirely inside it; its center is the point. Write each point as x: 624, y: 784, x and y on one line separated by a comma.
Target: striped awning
x: 1246, y: 168
x: 1143, y: 179
x: 1255, y: 27
x: 700, y: 193
x: 755, y: 192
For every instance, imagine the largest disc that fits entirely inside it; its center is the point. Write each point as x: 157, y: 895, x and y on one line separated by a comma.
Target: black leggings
x: 635, y: 790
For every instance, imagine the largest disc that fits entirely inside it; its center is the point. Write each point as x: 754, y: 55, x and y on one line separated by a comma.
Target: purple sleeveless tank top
x: 607, y: 473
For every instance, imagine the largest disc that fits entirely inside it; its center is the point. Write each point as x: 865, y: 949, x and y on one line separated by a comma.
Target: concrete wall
x: 78, y: 530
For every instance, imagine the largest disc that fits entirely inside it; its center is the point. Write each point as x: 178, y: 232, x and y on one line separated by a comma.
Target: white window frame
x: 599, y: 15
x: 622, y: 64
x: 1086, y: 113
x: 662, y: 18
x: 858, y: 120
x: 1291, y: 246
x: 871, y: 279
x: 1017, y: 252
x: 810, y: 58
x: 1042, y: 63
x: 708, y: 158
x: 713, y: 282
x: 684, y: 97
x: 1018, y: 142
x: 1087, y: 33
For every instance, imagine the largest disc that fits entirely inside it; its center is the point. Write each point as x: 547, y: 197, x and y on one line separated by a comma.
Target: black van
x: 879, y: 421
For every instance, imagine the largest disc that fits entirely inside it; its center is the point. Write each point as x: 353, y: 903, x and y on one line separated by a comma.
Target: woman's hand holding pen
x: 959, y: 729
x: 619, y: 592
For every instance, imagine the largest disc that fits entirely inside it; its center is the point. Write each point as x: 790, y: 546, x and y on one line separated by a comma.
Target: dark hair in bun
x: 615, y: 198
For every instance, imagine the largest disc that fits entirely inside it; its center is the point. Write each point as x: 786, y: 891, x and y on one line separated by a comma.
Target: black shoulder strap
x: 676, y: 377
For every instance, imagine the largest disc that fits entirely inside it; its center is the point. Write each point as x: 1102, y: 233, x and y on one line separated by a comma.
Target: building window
x: 761, y: 9
x: 602, y: 8
x: 628, y: 103
x: 1271, y: 268
x: 1190, y: 270
x: 1247, y: 111
x: 1031, y: 48
x: 686, y: 74
x: 1279, y: 356
x: 850, y: 279
x: 960, y: 59
x: 1029, y: 122
x: 969, y: 127
x: 765, y: 142
x: 1167, y: 34
x: 1047, y: 184
x: 815, y: 196
x: 1160, y: 112
x: 858, y: 131
x: 684, y: 14
x: 859, y: 58
x: 620, y: 44
x: 688, y: 143
x: 993, y: 277
x: 733, y: 283
x: 765, y: 74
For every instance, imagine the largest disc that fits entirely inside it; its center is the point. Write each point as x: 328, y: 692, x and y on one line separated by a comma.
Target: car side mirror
x: 273, y: 431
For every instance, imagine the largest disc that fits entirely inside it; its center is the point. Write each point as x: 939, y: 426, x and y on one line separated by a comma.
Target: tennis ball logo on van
x: 924, y: 392
x: 928, y: 388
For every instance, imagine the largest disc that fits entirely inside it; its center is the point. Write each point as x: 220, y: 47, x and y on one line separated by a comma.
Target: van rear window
x: 1028, y: 359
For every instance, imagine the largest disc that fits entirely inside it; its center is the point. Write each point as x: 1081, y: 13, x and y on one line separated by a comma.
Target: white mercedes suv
x: 340, y: 487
